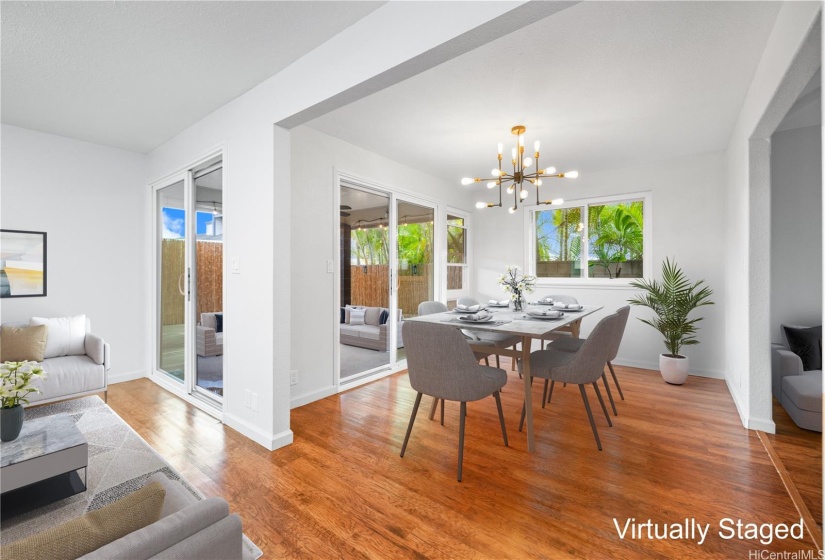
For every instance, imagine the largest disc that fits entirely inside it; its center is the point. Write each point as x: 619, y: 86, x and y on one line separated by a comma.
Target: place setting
x: 544, y: 314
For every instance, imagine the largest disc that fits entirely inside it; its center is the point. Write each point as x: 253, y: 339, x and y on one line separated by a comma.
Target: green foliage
x: 15, y: 382
x: 617, y: 235
x: 415, y: 244
x: 672, y: 300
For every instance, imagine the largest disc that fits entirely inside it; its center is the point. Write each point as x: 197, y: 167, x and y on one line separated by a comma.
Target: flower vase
x: 11, y: 422
x: 518, y: 303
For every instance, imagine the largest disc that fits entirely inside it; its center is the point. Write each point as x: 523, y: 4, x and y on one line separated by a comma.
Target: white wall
x: 89, y: 200
x: 688, y: 224
x: 796, y: 228
x: 258, y: 196
x: 747, y: 212
x: 315, y: 239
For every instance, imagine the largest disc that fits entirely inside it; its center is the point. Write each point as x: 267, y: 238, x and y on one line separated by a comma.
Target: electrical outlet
x: 293, y: 377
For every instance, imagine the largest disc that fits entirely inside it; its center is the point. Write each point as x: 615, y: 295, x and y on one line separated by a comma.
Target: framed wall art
x: 22, y: 263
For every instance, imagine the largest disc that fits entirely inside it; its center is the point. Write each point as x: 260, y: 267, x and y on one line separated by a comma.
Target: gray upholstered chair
x: 430, y: 307
x: 573, y: 345
x: 441, y: 364
x: 499, y: 340
x: 583, y: 367
x: 562, y: 332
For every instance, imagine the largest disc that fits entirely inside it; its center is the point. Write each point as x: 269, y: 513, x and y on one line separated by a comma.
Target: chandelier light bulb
x: 512, y: 210
x: 481, y: 205
x: 491, y: 185
x: 523, y: 194
x: 500, y: 148
x: 514, y: 153
x: 549, y: 171
x: 528, y: 162
x: 536, y: 145
x: 521, y: 140
x: 538, y: 182
x: 557, y: 201
x: 496, y: 172
x: 571, y: 174
x: 511, y: 188
x: 467, y: 181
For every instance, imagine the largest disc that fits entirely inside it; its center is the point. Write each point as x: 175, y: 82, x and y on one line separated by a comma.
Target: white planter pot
x: 674, y: 370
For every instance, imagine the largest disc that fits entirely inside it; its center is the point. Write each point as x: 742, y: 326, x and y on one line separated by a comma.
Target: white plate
x: 487, y: 320
x: 568, y: 309
x: 498, y: 305
x: 546, y: 317
x: 545, y: 303
x: 465, y: 312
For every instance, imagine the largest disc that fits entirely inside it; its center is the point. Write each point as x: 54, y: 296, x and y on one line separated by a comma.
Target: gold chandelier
x: 516, y: 182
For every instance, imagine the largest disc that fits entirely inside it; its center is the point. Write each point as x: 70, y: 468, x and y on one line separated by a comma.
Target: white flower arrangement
x: 516, y: 285
x: 15, y: 382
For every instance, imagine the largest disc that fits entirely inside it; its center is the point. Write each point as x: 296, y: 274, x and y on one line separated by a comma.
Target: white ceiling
x: 603, y: 85
x: 134, y: 74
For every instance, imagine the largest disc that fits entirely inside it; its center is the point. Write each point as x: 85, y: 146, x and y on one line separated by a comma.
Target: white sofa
x: 68, y: 377
x: 208, y: 340
x: 372, y: 334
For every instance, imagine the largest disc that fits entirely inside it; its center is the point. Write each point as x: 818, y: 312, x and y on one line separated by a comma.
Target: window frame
x: 466, y: 290
x: 530, y: 212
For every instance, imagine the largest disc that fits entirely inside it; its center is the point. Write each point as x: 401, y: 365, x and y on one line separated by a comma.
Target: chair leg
x: 106, y: 396
x: 550, y: 394
x: 442, y: 412
x: 412, y: 419
x: 513, y: 361
x: 501, y: 418
x: 524, y: 409
x: 461, y: 438
x: 601, y: 402
x: 590, y: 416
x: 486, y: 360
x: 498, y: 362
x: 609, y: 394
x: 615, y: 380
x: 544, y: 395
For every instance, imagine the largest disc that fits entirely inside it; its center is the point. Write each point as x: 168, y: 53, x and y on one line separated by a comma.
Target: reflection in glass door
x: 173, y: 281
x: 415, y: 257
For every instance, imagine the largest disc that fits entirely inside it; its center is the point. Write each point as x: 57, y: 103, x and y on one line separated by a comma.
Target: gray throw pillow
x: 807, y: 344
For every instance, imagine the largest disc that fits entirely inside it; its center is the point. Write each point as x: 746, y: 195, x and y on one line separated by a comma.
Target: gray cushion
x: 364, y: 331
x: 68, y: 375
x: 372, y: 316
x: 805, y: 391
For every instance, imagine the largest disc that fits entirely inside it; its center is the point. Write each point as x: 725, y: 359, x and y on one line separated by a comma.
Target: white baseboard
x: 123, y: 377
x: 307, y: 398
x: 655, y: 367
x: 270, y: 441
x: 762, y: 424
x: 735, y: 396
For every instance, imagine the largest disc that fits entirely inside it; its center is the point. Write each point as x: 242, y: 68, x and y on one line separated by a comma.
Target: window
x: 457, y: 265
x: 604, y: 238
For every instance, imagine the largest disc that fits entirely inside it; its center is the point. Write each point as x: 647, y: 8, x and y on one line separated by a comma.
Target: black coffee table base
x: 28, y: 498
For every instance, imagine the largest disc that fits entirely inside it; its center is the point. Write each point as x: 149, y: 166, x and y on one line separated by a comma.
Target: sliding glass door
x: 189, y: 282
x: 386, y: 271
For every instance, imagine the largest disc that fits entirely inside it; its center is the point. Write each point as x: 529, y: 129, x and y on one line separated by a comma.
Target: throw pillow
x: 356, y: 316
x: 218, y: 322
x: 385, y: 315
x: 22, y: 343
x: 343, y: 315
x: 93, y: 530
x: 805, y: 343
x: 67, y: 335
x: 347, y: 310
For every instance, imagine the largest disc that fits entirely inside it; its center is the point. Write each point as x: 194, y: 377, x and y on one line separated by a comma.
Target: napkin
x: 470, y: 308
x: 560, y: 305
x: 547, y: 313
x: 480, y: 316
x: 493, y: 302
x: 546, y: 299
x: 504, y: 302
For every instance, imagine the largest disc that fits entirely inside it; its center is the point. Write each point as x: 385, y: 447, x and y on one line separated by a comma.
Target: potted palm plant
x: 672, y: 300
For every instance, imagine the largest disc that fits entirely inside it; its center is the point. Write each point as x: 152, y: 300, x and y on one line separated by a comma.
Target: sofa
x: 373, y: 334
x: 184, y: 527
x: 798, y: 391
x: 209, y: 336
x: 84, y: 371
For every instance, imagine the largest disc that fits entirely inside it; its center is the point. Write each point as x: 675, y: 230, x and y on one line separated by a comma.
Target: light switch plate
x: 236, y: 265
x: 329, y: 266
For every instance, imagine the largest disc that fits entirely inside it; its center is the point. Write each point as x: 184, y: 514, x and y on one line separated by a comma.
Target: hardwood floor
x: 342, y: 491
x: 801, y: 453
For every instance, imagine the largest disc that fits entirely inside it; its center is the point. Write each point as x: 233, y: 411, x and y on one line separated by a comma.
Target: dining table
x: 510, y: 322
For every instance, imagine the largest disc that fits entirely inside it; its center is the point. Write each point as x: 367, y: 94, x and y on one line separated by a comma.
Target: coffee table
x: 40, y: 466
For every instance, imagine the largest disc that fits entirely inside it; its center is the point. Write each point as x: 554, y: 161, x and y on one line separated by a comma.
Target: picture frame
x: 23, y: 258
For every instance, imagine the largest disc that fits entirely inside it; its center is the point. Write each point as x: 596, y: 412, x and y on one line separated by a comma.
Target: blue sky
x: 174, y: 222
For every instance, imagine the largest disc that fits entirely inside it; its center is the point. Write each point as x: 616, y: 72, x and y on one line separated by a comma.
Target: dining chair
x: 430, y: 307
x: 499, y: 340
x: 581, y: 368
x: 441, y: 364
x: 574, y: 344
x: 562, y: 332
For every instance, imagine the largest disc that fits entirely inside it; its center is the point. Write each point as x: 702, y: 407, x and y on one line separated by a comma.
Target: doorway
x: 387, y: 269
x: 189, y: 265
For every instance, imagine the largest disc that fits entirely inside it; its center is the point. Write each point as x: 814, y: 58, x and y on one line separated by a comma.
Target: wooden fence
x: 565, y: 269
x: 370, y: 287
x: 173, y: 278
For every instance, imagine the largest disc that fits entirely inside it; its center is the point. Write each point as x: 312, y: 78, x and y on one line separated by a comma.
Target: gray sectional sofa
x: 799, y: 391
x: 373, y: 334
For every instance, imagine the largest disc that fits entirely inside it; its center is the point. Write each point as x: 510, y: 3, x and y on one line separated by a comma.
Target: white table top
x: 516, y: 322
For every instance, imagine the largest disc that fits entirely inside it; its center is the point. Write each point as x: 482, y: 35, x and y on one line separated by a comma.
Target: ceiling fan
x: 345, y: 214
